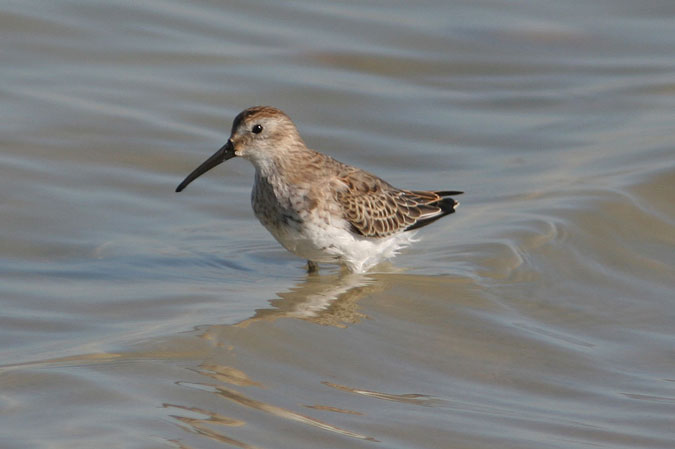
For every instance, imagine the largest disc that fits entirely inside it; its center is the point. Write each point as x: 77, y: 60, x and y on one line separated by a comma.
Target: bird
x: 317, y: 207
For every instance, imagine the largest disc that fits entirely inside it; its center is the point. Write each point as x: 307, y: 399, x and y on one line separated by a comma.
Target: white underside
x: 329, y: 244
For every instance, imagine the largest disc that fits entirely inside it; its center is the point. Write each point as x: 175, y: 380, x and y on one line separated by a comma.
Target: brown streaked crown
x: 258, y: 112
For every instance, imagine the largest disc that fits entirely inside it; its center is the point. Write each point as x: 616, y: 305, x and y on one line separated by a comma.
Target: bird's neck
x: 286, y: 167
x: 267, y: 168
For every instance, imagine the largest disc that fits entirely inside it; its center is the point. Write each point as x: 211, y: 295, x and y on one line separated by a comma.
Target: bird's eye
x: 257, y: 129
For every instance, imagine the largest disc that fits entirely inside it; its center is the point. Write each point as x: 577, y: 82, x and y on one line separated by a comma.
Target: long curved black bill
x: 226, y: 152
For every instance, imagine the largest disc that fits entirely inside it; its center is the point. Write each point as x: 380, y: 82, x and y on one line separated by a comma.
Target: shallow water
x: 541, y: 315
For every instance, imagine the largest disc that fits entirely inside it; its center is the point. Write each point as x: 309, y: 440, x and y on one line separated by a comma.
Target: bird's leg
x: 312, y: 267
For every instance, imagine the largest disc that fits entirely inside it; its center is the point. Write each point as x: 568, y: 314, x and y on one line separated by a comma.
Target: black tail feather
x: 447, y: 206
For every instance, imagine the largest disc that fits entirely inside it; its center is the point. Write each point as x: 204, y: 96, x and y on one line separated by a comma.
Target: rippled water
x: 541, y: 315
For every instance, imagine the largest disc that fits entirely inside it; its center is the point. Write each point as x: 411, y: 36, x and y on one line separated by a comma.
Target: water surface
x: 541, y: 315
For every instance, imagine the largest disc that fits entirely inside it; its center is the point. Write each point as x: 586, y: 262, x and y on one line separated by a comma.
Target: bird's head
x: 261, y: 134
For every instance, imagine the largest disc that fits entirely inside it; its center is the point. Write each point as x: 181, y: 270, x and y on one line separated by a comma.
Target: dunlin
x: 319, y: 208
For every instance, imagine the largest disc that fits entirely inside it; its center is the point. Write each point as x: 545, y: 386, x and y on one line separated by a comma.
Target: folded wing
x: 374, y: 208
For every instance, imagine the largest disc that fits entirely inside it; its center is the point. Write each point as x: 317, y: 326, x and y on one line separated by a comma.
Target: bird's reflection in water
x: 328, y: 299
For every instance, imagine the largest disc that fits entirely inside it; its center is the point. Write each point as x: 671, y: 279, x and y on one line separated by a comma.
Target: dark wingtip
x: 447, y: 206
x: 448, y: 192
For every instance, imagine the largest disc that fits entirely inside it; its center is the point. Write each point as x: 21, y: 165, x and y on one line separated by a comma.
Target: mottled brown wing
x: 376, y: 209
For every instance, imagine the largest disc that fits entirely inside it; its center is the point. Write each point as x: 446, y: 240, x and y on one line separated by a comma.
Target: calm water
x: 541, y: 315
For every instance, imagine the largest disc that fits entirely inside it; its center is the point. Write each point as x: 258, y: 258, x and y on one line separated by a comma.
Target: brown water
x: 541, y: 315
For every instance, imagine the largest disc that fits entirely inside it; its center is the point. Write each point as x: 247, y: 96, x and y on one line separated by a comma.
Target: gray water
x: 541, y: 315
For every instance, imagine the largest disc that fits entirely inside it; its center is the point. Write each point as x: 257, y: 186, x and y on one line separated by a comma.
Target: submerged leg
x: 312, y: 267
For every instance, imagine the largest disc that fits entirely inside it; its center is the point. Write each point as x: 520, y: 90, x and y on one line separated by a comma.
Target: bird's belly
x: 305, y: 243
x: 329, y: 244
